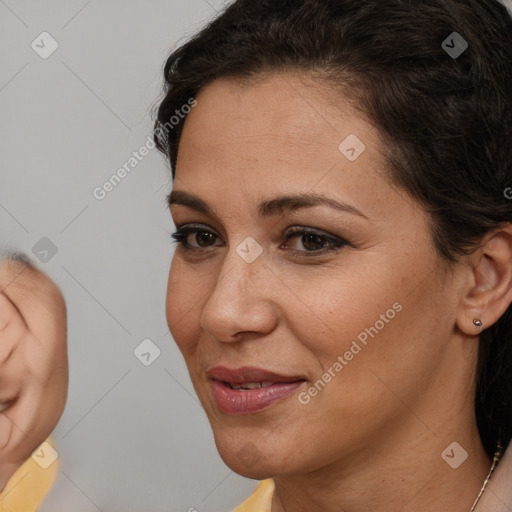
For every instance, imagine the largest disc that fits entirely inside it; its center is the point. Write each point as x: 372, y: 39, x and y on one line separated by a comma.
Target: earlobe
x: 488, y: 293
x: 472, y: 326
x: 478, y: 323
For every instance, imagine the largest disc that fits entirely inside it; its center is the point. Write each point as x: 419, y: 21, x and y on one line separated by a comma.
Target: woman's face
x: 353, y: 321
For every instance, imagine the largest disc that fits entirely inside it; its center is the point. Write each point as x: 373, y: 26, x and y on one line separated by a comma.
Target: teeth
x: 248, y: 385
x: 252, y: 385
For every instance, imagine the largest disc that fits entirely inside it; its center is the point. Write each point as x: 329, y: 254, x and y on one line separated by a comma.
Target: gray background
x: 132, y: 437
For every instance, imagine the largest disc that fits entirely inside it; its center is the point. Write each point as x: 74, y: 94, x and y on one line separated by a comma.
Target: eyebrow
x: 269, y: 207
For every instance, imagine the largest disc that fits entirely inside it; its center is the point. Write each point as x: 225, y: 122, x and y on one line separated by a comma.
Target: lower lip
x: 232, y: 401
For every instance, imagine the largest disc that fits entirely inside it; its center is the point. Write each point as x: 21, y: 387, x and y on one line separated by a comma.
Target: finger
x: 25, y: 424
x: 36, y: 296
x: 13, y: 334
x: 12, y: 328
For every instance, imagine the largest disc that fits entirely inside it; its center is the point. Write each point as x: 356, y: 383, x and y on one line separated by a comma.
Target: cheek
x: 331, y: 308
x: 371, y: 319
x: 384, y: 336
x: 182, y: 306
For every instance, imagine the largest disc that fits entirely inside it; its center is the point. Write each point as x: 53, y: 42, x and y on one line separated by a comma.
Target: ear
x: 488, y: 290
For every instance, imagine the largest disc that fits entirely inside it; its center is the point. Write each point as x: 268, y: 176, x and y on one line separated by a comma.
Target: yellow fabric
x: 260, y: 500
x: 28, y: 486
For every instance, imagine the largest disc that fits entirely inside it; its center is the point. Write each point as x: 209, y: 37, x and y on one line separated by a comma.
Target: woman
x: 342, y: 283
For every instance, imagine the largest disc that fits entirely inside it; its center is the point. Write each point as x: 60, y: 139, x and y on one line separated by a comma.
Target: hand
x: 33, y: 362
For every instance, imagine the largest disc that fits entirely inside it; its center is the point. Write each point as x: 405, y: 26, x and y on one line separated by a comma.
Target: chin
x: 254, y: 469
x: 254, y: 473
x: 250, y: 459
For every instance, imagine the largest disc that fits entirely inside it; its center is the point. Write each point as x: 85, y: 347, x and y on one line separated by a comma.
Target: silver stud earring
x: 477, y: 322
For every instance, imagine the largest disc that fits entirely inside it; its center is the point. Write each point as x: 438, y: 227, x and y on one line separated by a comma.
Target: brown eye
x: 314, y: 242
x: 310, y: 243
x: 204, y: 238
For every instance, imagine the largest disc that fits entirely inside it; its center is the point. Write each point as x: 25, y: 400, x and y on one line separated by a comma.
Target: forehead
x: 285, y: 132
x: 279, y: 111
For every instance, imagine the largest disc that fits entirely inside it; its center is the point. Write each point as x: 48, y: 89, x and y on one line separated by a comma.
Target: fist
x: 33, y: 362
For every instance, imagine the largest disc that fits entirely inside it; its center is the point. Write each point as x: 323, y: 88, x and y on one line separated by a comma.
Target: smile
x: 249, y: 390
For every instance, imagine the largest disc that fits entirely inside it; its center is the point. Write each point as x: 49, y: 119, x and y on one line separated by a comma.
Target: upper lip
x: 247, y: 374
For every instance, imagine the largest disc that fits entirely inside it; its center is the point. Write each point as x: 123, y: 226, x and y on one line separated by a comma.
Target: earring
x: 477, y: 322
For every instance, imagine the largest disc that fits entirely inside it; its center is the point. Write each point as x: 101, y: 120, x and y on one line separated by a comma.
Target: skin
x: 33, y: 362
x: 372, y: 438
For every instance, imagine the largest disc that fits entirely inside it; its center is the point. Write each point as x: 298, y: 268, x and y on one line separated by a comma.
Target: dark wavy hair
x: 446, y: 119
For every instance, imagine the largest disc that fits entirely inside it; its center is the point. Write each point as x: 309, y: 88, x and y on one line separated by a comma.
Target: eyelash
x: 182, y: 233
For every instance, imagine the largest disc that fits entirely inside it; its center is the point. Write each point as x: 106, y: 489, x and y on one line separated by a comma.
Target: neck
x: 404, y: 471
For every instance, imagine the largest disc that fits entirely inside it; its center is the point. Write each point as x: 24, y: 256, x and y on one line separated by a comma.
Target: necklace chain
x: 497, y: 456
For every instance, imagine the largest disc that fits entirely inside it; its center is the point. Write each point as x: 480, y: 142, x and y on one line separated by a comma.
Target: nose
x: 242, y: 301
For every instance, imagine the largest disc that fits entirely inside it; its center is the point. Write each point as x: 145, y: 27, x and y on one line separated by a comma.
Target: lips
x: 248, y: 390
x: 249, y: 374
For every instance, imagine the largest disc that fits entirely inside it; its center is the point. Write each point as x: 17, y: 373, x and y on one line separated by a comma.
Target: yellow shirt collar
x: 31, y: 482
x: 260, y: 500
